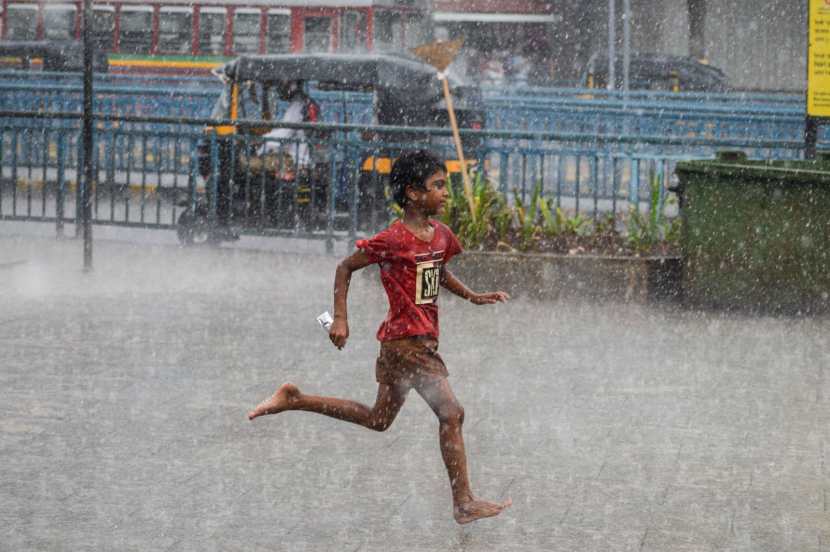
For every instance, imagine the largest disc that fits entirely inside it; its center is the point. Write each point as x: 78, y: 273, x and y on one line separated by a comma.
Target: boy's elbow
x: 353, y: 262
x: 345, y: 267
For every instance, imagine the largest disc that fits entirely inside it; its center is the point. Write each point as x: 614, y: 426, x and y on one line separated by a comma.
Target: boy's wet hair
x: 412, y: 169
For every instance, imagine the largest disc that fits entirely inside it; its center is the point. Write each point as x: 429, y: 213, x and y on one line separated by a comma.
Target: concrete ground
x: 123, y: 395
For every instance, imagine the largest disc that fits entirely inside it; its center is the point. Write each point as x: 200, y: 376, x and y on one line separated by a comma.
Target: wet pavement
x: 123, y: 395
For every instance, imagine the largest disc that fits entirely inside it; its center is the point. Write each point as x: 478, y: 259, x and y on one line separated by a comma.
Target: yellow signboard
x: 818, y: 62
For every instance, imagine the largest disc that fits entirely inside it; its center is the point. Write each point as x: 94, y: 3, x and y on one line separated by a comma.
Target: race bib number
x: 427, y: 279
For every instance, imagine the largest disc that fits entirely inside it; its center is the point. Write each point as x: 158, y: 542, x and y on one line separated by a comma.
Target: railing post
x: 810, y: 137
x: 354, y: 193
x: 578, y: 180
x: 634, y: 184
x: 371, y: 192
x: 79, y: 175
x: 330, y: 202
x: 15, y: 134
x: 2, y: 159
x: 59, y: 207
x: 594, y: 160
x: 110, y: 156
x: 504, y: 161
x: 192, y: 179
x: 213, y: 185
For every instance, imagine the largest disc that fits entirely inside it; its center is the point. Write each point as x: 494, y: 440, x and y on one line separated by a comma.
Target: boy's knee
x: 452, y: 414
x: 380, y: 424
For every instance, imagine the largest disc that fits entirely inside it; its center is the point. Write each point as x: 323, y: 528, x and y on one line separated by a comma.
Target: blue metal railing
x: 338, y: 106
x: 769, y: 116
x: 739, y: 97
x: 148, y: 177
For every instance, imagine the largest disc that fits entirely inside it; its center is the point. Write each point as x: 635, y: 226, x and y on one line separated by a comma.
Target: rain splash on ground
x: 123, y: 395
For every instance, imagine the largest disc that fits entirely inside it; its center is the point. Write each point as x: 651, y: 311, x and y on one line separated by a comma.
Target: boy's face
x: 431, y: 200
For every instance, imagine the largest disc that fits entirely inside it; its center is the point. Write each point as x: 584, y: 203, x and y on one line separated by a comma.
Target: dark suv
x: 656, y: 72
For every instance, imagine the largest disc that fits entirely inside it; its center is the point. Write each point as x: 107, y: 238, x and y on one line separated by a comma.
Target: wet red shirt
x: 410, y: 270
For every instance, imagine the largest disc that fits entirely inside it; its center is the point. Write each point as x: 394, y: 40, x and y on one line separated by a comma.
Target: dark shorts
x: 411, y: 361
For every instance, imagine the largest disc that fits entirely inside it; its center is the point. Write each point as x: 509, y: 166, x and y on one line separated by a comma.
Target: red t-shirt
x: 410, y: 270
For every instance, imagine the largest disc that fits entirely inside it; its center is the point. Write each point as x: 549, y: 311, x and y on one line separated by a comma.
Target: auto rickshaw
x: 275, y: 190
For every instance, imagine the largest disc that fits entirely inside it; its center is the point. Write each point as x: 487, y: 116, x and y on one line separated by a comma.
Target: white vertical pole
x: 626, y: 62
x: 612, y: 45
x: 626, y: 45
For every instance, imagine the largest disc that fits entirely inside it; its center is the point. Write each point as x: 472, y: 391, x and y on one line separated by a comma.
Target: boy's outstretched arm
x: 339, y: 331
x: 456, y: 286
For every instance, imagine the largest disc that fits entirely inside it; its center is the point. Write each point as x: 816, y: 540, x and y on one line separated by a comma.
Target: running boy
x: 412, y: 254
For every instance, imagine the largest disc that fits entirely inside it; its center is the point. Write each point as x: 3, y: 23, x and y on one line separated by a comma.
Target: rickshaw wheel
x: 192, y: 228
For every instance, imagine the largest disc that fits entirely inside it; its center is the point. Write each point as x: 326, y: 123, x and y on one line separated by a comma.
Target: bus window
x: 353, y: 31
x: 387, y: 31
x: 136, y: 29
x: 212, y: 31
x: 103, y: 27
x: 278, y: 38
x: 317, y: 34
x: 246, y: 31
x: 175, y: 30
x: 59, y: 22
x: 21, y: 22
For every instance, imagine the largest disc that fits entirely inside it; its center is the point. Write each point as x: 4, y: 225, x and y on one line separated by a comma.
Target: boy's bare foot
x: 279, y: 401
x: 478, y: 509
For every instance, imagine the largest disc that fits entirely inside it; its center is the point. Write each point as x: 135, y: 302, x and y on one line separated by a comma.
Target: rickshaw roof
x: 389, y: 72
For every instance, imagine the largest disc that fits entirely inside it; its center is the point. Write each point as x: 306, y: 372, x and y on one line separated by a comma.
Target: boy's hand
x: 339, y: 332
x: 489, y: 298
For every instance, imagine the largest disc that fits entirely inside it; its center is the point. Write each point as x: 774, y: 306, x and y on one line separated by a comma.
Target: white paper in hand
x: 325, y: 320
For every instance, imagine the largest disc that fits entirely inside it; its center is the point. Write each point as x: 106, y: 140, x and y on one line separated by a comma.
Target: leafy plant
x: 555, y: 222
x: 647, y: 230
x: 552, y: 220
x: 489, y: 220
x: 489, y: 217
x: 607, y: 224
x: 527, y: 217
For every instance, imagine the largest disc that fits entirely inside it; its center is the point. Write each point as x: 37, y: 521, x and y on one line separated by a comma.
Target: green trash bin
x: 756, y: 234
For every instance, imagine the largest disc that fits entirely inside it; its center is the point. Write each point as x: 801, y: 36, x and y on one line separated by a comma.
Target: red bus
x: 178, y: 36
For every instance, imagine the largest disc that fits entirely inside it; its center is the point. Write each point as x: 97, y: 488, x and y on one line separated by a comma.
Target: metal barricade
x: 150, y: 171
x: 645, y: 113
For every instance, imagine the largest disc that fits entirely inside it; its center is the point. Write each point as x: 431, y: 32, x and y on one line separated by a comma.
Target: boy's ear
x: 410, y: 192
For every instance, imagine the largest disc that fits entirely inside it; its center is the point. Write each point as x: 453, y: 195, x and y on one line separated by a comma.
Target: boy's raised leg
x: 280, y: 401
x: 379, y: 417
x: 466, y: 507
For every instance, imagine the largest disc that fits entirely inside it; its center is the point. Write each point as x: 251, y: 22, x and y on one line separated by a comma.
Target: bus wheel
x: 192, y: 228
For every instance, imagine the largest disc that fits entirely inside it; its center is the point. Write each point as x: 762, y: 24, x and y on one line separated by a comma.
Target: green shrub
x: 647, y: 230
x: 491, y: 219
x: 540, y: 225
x: 527, y: 218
